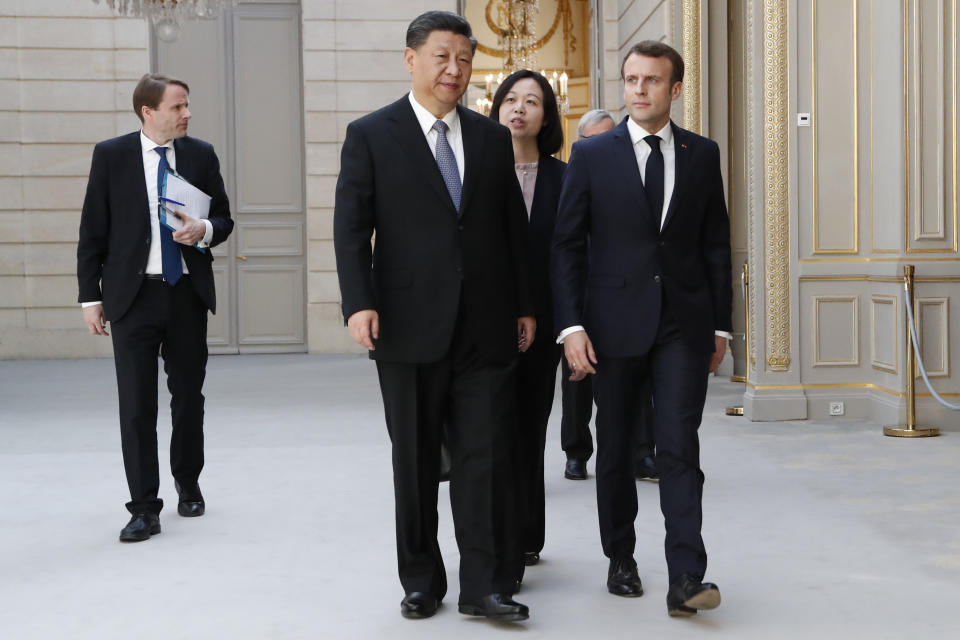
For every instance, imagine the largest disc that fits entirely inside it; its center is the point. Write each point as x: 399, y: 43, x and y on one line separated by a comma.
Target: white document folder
x: 180, y: 195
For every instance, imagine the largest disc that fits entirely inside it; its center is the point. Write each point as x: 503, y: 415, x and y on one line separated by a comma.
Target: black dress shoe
x: 623, y: 579
x: 531, y: 558
x: 646, y: 469
x: 191, y: 502
x: 417, y: 604
x: 688, y: 594
x: 495, y: 606
x: 576, y: 469
x: 140, y: 527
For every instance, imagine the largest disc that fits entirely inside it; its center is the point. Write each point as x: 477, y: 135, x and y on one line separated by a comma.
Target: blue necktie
x: 653, y: 180
x: 448, y: 164
x: 169, y: 250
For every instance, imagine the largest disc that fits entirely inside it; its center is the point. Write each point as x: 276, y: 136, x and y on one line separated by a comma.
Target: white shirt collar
x: 638, y: 133
x: 427, y: 119
x: 150, y: 145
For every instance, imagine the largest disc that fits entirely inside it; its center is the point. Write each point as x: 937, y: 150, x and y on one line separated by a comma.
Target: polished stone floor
x: 815, y: 529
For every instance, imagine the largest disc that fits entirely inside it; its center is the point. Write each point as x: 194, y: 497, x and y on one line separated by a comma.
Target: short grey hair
x: 591, y: 118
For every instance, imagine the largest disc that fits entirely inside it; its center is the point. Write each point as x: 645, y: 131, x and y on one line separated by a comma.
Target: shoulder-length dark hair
x: 550, y: 138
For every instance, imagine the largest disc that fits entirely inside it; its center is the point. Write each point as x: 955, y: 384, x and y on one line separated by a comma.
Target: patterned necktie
x: 448, y: 164
x: 653, y: 180
x: 169, y: 249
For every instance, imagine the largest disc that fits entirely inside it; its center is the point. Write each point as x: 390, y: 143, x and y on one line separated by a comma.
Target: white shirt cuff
x: 208, y: 236
x: 723, y: 334
x: 563, y: 334
x: 84, y: 305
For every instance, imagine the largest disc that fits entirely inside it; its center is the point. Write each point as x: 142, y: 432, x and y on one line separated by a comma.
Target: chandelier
x: 516, y: 31
x: 168, y: 15
x: 515, y: 28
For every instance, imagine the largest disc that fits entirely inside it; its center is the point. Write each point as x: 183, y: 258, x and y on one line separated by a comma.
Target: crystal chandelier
x: 517, y: 33
x: 168, y: 15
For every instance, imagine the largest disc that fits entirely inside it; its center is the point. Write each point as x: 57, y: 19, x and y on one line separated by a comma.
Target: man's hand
x: 192, y: 232
x: 96, y: 321
x: 578, y: 350
x: 364, y: 327
x: 719, y: 352
x: 526, y: 331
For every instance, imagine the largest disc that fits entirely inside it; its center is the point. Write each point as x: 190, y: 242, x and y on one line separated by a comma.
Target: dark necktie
x: 653, y: 180
x: 169, y: 249
x: 447, y: 162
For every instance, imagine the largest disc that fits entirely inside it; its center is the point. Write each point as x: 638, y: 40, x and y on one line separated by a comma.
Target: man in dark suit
x: 642, y: 285
x: 577, y: 395
x: 441, y: 301
x: 155, y: 287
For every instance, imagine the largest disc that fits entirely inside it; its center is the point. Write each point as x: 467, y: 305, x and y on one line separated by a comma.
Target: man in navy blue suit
x: 642, y: 289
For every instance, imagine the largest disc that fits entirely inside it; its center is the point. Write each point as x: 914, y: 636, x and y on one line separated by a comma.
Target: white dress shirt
x: 454, y: 135
x: 151, y: 165
x: 642, y: 150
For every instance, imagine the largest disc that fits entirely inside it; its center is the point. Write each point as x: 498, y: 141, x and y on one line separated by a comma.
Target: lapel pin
x: 683, y: 146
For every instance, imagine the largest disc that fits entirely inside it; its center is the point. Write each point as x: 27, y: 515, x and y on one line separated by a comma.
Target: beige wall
x: 67, y: 71
x: 872, y: 186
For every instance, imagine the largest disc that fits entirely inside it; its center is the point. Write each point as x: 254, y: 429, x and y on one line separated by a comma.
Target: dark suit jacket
x: 628, y: 263
x: 115, y: 224
x: 431, y: 263
x: 546, y: 199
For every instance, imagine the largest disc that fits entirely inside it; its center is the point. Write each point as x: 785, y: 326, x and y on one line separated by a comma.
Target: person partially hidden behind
x: 155, y: 287
x: 442, y: 301
x: 642, y: 289
x: 577, y: 395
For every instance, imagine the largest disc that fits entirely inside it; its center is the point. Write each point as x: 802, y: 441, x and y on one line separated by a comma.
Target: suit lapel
x: 626, y: 157
x: 681, y: 150
x: 408, y: 133
x: 137, y: 178
x: 472, y: 152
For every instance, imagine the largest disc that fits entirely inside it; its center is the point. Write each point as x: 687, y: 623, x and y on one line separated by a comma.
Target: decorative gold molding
x: 855, y: 130
x: 890, y: 279
x: 917, y: 36
x: 893, y: 302
x: 692, y: 84
x: 753, y: 257
x: 818, y: 359
x: 776, y: 115
x: 849, y: 385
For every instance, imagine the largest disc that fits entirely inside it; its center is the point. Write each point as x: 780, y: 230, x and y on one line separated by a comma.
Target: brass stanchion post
x: 737, y: 410
x: 910, y: 430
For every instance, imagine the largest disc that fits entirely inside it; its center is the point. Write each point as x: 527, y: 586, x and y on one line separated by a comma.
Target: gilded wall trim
x: 754, y: 258
x: 776, y: 115
x: 692, y: 84
x: 855, y: 131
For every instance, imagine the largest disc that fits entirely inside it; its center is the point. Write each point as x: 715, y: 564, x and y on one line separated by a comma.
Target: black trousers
x: 170, y: 321
x: 678, y: 378
x: 477, y: 402
x: 536, y: 382
x: 577, y: 402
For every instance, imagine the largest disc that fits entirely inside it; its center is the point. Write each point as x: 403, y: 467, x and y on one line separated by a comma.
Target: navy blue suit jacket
x: 612, y: 265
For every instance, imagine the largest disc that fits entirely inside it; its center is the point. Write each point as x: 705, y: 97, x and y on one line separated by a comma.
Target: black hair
x: 426, y: 23
x: 550, y: 138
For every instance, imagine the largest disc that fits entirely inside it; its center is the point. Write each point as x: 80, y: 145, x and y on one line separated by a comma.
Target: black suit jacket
x: 115, y: 224
x: 546, y: 199
x: 607, y: 239
x: 431, y: 264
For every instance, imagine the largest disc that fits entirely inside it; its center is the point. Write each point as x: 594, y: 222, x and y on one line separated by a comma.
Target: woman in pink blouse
x: 526, y: 105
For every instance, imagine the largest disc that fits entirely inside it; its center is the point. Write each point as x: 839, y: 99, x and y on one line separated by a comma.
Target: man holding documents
x: 155, y: 285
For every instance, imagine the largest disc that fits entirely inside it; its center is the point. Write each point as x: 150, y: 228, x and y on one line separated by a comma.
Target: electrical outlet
x: 836, y: 408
